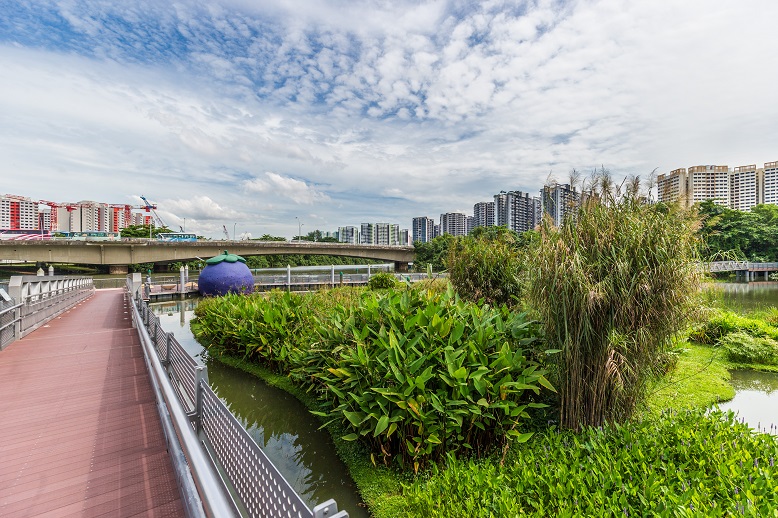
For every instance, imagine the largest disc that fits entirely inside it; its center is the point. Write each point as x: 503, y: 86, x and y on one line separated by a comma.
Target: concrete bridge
x: 119, y: 254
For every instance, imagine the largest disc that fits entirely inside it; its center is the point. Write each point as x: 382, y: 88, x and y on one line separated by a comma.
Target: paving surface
x: 79, y: 431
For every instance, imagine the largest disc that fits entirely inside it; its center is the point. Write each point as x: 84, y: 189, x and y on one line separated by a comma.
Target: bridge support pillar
x: 118, y: 269
x: 400, y: 266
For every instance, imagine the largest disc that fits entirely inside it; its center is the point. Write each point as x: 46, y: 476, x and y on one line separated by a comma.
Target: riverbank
x: 537, y: 478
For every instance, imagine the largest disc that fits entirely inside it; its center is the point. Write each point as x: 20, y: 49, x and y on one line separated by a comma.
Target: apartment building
x: 740, y: 188
x: 770, y: 179
x: 483, y: 214
x: 558, y: 201
x: 516, y: 210
x: 746, y: 187
x: 348, y: 235
x: 18, y: 213
x: 454, y: 223
x: 423, y: 229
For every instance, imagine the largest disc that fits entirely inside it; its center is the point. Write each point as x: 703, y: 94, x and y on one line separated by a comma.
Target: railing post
x: 168, y: 345
x: 201, y: 376
x: 328, y: 509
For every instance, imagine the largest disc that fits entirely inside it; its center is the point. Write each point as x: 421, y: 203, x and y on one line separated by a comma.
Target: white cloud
x: 378, y: 111
x: 274, y: 185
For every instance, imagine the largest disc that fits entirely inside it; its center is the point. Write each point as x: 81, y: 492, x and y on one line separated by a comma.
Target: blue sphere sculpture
x: 223, y: 274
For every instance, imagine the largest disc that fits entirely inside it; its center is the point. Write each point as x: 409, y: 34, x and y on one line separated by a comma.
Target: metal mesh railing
x: 257, y: 486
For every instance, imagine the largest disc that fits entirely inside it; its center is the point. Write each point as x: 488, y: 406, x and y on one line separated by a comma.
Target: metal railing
x: 35, y: 300
x: 730, y: 266
x: 231, y: 473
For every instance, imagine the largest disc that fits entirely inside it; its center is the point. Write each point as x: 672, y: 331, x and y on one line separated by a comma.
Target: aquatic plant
x: 679, y: 464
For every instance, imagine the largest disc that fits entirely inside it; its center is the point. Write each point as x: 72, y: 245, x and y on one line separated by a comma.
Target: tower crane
x: 152, y: 208
x: 226, y: 234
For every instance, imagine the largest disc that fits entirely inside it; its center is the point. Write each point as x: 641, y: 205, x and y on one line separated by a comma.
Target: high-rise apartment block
x: 348, y: 235
x: 558, y: 201
x: 740, y: 188
x: 516, y: 210
x: 454, y: 223
x: 483, y: 214
x: 771, y: 183
x: 387, y: 234
x: 423, y: 229
x: 18, y: 213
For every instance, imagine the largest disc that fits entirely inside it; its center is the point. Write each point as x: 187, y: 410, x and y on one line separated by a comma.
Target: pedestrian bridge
x: 743, y: 269
x: 134, y: 251
x: 106, y: 414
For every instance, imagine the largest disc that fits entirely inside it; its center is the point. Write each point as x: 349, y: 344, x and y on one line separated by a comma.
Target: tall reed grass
x: 612, y: 286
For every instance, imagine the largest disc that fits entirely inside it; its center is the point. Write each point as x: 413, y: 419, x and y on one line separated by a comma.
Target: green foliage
x: 282, y: 260
x: 412, y: 374
x: 433, y: 253
x: 382, y: 281
x: 268, y: 237
x: 487, y: 265
x: 612, y: 286
x: 744, y: 348
x: 143, y: 231
x: 680, y: 464
x: 684, y: 464
x: 417, y: 374
x: 744, y: 235
x: 721, y: 322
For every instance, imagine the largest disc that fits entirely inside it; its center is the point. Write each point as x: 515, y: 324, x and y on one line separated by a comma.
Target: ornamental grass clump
x: 612, y: 286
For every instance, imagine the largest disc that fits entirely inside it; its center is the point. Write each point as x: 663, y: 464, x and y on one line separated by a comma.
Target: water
x: 746, y: 297
x: 756, y: 399
x: 281, y: 425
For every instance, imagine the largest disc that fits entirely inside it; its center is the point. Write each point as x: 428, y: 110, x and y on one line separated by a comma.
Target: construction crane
x: 152, y: 208
x: 53, y: 223
x: 226, y: 234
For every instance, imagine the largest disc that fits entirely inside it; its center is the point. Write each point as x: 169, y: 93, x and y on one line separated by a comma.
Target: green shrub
x: 685, y: 464
x: 412, y: 374
x: 487, y: 266
x: 417, y: 374
x: 382, y: 281
x: 720, y: 323
x: 744, y: 348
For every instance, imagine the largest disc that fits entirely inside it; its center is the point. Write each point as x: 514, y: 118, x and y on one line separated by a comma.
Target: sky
x: 275, y: 116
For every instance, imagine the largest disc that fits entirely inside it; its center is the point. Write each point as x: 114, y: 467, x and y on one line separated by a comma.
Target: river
x: 281, y: 425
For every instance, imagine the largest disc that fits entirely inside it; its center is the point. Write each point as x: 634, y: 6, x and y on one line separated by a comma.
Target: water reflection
x: 745, y: 297
x: 756, y: 399
x: 277, y: 421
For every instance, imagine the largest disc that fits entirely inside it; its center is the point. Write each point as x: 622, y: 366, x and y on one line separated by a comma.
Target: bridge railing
x: 35, y: 300
x: 730, y: 266
x: 231, y: 473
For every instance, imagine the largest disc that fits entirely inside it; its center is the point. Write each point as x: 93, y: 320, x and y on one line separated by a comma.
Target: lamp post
x: 233, y: 231
x: 299, y: 229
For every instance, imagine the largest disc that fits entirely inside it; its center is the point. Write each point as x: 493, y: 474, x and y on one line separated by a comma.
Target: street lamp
x: 233, y: 231
x: 299, y: 229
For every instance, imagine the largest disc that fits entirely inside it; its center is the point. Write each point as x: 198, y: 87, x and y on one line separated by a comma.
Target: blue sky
x: 250, y: 114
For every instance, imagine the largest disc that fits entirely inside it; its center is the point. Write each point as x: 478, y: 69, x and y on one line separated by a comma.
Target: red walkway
x: 79, y: 431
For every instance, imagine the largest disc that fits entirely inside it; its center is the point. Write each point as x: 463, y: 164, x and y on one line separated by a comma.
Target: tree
x: 143, y: 231
x: 434, y: 253
x: 612, y: 286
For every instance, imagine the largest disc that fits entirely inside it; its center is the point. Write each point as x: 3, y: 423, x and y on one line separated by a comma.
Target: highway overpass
x: 119, y: 254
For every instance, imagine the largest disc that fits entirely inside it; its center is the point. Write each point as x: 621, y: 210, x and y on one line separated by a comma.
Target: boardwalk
x: 79, y: 430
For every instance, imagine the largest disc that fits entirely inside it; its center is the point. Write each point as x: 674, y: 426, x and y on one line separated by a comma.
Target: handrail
x: 226, y: 467
x: 38, y: 299
x: 182, y: 438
